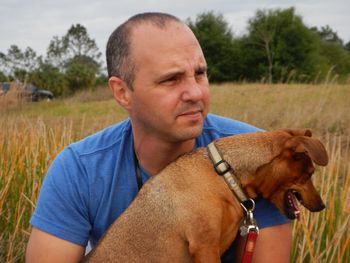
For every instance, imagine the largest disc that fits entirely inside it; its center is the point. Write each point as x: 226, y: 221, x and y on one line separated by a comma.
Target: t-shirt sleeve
x: 62, y: 207
x: 267, y: 214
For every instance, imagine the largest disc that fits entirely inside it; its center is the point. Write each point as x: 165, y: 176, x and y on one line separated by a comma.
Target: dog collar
x: 223, y: 168
x: 248, y: 225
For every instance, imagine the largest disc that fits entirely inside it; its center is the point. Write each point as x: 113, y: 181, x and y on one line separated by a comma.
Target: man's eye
x: 201, y: 73
x: 169, y: 80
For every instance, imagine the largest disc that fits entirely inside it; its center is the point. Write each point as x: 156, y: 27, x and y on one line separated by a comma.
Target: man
x: 157, y: 73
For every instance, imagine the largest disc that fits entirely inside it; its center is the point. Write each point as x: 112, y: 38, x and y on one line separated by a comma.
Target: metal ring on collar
x: 248, y: 205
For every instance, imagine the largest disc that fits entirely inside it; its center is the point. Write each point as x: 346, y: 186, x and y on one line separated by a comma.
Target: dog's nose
x: 315, y: 206
x: 321, y: 207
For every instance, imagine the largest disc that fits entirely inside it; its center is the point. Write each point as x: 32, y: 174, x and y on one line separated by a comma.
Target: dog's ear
x: 310, y: 146
x: 298, y: 132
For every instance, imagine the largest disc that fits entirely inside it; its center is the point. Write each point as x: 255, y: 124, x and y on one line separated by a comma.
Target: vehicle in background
x: 4, y: 87
x: 28, y: 92
x: 37, y: 94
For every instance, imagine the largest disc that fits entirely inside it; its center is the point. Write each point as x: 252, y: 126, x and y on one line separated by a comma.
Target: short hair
x: 119, y: 61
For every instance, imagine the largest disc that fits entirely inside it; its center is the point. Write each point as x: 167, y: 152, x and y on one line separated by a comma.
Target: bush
x: 50, y: 78
x: 3, y: 77
x: 216, y: 40
x: 80, y: 76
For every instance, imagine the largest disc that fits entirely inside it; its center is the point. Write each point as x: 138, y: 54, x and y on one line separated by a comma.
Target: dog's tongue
x: 294, y: 204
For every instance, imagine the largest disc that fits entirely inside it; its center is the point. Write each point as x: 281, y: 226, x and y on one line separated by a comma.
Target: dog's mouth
x: 291, y: 204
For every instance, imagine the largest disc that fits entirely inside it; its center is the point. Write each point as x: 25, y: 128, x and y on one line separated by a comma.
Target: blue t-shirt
x: 91, y: 182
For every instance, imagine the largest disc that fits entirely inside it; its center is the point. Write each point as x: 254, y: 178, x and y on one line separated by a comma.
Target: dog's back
x: 153, y: 228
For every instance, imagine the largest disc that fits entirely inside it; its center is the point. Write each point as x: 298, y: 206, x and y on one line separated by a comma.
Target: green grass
x: 33, y: 133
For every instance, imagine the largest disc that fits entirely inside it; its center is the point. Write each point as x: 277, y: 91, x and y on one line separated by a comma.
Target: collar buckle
x: 222, y: 167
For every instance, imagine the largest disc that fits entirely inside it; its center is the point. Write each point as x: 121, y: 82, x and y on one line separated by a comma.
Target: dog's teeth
x: 293, y: 204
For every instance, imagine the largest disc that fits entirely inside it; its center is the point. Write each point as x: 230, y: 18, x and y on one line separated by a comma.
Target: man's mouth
x: 291, y: 204
x: 192, y: 114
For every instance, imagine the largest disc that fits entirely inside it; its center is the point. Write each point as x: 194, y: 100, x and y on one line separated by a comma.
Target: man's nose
x: 192, y: 90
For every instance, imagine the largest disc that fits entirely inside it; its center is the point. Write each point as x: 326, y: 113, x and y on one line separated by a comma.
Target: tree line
x: 72, y: 62
x: 278, y: 47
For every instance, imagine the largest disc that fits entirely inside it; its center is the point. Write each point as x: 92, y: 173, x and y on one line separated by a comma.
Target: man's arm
x: 43, y: 247
x: 273, y: 244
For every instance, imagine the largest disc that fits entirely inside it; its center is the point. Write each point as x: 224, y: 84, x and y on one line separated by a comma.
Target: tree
x: 347, y: 46
x: 79, y: 76
x: 333, y: 51
x: 263, y: 32
x: 77, y: 56
x: 253, y: 60
x: 74, y: 47
x: 216, y: 40
x: 336, y: 57
x: 328, y: 35
x: 56, y: 54
x: 49, y: 77
x: 17, y: 63
x: 284, y: 42
x: 3, y: 77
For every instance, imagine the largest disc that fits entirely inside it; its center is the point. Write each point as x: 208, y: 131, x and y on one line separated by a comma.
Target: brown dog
x: 187, y: 213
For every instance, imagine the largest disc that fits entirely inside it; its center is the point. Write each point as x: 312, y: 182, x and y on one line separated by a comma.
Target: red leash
x: 249, y: 246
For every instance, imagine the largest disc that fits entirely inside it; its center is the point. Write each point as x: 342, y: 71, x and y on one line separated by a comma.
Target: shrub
x: 80, y: 76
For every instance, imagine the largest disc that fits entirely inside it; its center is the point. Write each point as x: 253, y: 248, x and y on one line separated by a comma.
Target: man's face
x: 170, y: 96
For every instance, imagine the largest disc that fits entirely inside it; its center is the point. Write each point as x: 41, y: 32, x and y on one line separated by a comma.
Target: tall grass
x: 27, y: 147
x: 33, y: 133
x: 325, y: 237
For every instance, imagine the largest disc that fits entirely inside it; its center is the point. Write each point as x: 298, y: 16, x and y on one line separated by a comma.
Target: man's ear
x: 121, y: 92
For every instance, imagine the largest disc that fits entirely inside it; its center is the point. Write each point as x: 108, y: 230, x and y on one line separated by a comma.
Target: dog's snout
x: 322, y: 206
x: 317, y: 207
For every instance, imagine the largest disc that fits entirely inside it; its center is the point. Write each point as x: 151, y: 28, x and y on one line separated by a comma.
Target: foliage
x: 101, y: 80
x: 284, y: 42
x: 49, y: 77
x: 216, y: 40
x: 277, y: 47
x: 347, y: 46
x: 328, y: 35
x: 336, y: 57
x: 79, y: 76
x: 334, y: 53
x: 3, y: 77
x: 17, y: 63
x: 74, y: 47
x: 74, y: 53
x: 77, y: 56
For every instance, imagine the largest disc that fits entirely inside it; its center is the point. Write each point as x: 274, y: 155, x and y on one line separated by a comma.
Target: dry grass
x: 325, y: 237
x: 12, y: 98
x: 33, y: 133
x: 324, y: 108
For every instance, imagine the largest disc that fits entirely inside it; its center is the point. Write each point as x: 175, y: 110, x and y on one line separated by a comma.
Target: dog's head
x: 287, y: 177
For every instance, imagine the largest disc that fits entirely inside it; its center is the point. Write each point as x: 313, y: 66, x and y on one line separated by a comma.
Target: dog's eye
x: 299, y: 156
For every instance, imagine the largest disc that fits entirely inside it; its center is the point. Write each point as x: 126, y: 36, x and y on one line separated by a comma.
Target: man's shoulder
x: 226, y: 127
x: 103, y: 139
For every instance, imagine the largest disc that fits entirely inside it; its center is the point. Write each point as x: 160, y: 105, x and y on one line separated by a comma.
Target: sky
x: 34, y: 23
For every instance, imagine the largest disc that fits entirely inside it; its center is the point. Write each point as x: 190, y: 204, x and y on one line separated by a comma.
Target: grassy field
x: 33, y: 133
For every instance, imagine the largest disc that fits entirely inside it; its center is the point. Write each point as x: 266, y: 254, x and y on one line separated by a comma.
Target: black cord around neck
x: 137, y: 172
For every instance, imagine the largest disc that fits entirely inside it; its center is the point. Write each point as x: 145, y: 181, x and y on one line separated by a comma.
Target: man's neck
x: 154, y: 154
